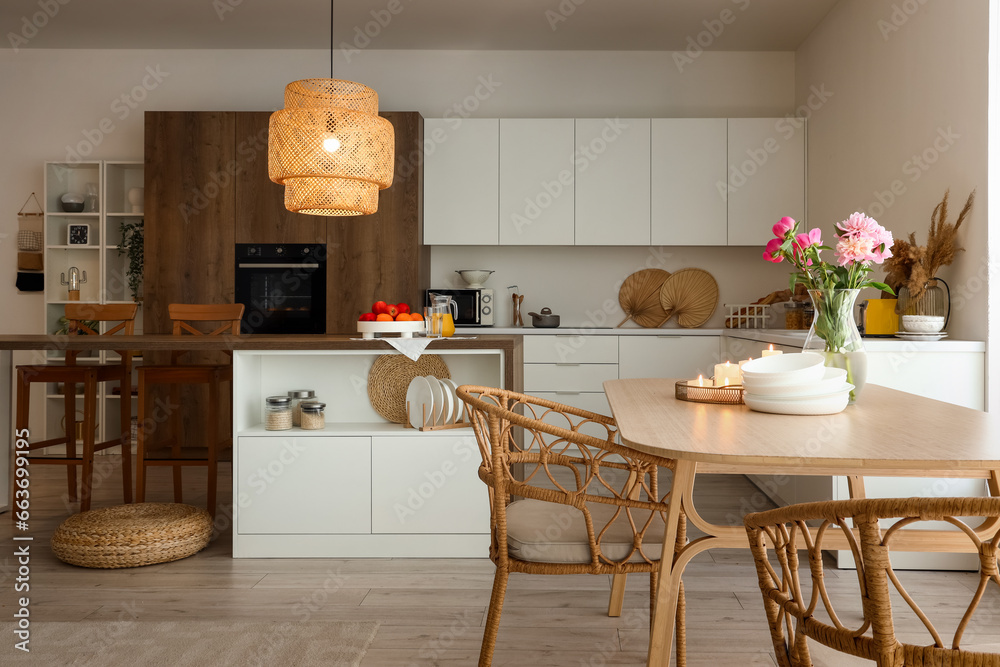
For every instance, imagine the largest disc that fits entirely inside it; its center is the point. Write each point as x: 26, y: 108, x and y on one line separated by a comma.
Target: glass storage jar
x: 277, y: 413
x: 297, y: 396
x: 313, y: 415
x: 795, y: 315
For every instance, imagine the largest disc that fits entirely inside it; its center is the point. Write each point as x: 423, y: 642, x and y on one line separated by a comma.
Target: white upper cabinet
x: 688, y: 161
x: 612, y: 181
x: 536, y: 181
x: 461, y: 181
x: 766, y: 176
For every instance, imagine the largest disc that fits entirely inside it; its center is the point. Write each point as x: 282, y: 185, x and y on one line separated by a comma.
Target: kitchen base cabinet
x: 361, y: 487
x: 667, y: 356
x: 428, y: 485
x: 294, y: 485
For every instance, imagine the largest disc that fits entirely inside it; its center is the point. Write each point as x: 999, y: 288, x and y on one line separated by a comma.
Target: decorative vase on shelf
x: 834, y: 334
x: 931, y: 302
x: 135, y: 198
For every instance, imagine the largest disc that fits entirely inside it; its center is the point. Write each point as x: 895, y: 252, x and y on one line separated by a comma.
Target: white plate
x: 420, y: 400
x: 833, y: 381
x: 799, y: 398
x: 437, y: 393
x: 813, y: 405
x: 909, y: 335
x: 451, y: 389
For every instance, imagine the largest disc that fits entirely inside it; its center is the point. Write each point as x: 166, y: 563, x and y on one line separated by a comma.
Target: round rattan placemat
x: 132, y: 535
x: 390, y: 376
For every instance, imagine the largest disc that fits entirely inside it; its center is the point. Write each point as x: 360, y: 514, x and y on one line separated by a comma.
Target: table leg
x: 856, y: 487
x: 668, y: 582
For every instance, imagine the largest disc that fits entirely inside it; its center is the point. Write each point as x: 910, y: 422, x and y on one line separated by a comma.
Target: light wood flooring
x: 431, y: 611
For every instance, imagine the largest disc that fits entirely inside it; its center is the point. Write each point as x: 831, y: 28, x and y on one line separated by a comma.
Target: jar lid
x: 312, y: 406
x: 278, y: 400
x: 302, y: 393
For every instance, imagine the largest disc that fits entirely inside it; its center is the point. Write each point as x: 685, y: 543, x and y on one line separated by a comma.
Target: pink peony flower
x: 883, y: 242
x: 783, y: 226
x: 814, y: 237
x: 772, y: 252
x: 859, y: 223
x: 853, y: 248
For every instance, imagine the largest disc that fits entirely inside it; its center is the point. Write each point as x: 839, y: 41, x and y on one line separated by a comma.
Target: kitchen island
x: 361, y: 486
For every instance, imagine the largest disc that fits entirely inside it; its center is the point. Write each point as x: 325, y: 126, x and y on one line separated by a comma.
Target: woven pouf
x: 132, y: 535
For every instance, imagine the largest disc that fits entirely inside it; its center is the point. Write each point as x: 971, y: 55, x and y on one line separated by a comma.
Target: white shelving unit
x: 106, y: 282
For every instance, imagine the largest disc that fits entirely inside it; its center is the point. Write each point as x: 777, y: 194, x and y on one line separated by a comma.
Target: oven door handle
x: 277, y: 266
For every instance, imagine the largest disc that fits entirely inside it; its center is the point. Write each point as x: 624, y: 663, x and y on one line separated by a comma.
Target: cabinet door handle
x: 671, y: 337
x: 567, y: 364
x: 568, y: 393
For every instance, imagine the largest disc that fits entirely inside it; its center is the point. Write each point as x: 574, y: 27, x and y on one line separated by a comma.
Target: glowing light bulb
x: 331, y: 144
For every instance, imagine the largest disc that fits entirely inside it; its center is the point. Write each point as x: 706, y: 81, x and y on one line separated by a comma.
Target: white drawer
x: 563, y: 349
x: 568, y: 377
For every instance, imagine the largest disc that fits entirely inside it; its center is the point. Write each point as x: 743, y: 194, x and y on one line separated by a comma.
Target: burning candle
x: 700, y: 382
x: 726, y: 374
x: 770, y: 351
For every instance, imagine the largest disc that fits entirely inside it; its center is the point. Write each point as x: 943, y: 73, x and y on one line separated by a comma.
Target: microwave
x: 475, y: 305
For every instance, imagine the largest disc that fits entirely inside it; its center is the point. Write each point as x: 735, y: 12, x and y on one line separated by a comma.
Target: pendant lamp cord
x: 331, y: 39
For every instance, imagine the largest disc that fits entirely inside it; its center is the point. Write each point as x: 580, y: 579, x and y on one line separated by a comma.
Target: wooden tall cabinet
x: 207, y: 189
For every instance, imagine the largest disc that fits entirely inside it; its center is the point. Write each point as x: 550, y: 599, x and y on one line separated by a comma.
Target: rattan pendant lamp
x: 329, y: 147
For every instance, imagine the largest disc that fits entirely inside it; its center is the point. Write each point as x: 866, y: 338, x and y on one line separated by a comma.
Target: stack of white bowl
x: 795, y: 384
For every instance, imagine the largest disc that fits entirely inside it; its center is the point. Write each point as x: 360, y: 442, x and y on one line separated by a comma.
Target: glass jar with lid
x: 277, y: 413
x: 313, y: 415
x: 298, y: 396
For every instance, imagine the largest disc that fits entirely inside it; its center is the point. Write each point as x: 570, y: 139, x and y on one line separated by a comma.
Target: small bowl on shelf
x: 71, y: 202
x: 922, y: 323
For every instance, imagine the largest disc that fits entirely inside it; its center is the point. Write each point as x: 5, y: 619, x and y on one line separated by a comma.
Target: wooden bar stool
x: 173, y: 449
x: 70, y: 374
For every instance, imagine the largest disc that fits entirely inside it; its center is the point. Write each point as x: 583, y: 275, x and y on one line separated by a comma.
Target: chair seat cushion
x: 543, y: 532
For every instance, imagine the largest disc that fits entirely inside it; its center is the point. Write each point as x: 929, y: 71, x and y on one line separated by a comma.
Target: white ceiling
x: 627, y: 25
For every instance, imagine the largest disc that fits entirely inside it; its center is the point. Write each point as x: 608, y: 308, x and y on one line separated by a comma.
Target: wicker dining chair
x: 786, y: 531
x: 563, y: 501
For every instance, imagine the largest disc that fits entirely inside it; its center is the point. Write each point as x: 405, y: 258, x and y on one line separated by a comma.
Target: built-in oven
x: 474, y: 305
x: 282, y: 287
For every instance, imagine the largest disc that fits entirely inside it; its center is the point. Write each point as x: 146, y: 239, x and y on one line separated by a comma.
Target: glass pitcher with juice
x: 440, y: 316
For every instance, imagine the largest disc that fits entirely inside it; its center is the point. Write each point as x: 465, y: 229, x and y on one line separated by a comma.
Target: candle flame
x: 728, y: 364
x: 771, y: 347
x: 725, y: 382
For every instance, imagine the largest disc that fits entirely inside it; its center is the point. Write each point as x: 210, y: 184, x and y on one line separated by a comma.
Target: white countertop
x: 776, y: 336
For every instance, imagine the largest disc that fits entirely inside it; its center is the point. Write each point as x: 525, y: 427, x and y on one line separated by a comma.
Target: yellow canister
x: 881, y: 318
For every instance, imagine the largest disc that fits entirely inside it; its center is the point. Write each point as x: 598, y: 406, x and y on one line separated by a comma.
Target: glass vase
x: 834, y: 334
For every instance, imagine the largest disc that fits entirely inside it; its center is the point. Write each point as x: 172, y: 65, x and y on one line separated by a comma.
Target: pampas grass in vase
x: 913, y: 266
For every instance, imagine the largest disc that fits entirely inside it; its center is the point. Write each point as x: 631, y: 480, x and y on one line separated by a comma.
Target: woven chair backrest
x: 790, y: 529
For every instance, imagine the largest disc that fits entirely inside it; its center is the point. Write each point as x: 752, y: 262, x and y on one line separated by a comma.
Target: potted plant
x: 131, y: 245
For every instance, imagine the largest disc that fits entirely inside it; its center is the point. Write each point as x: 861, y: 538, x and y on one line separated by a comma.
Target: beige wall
x: 908, y: 112
x: 55, y: 99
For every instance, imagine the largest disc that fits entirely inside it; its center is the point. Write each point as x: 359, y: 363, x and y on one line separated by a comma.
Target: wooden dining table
x: 887, y: 433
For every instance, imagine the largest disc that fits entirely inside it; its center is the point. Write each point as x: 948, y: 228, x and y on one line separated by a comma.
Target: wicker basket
x: 132, y: 535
